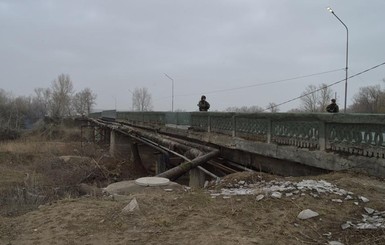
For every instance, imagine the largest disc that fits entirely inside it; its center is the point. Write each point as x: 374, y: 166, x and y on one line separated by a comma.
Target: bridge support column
x: 87, y: 133
x: 119, y: 144
x: 112, y: 143
x: 101, y: 135
x: 197, y: 178
x: 135, y: 156
x: 161, y: 164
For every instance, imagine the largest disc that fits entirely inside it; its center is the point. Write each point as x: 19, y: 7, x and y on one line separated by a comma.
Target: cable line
x: 272, y: 82
x: 332, y: 84
x: 255, y: 85
x: 265, y: 83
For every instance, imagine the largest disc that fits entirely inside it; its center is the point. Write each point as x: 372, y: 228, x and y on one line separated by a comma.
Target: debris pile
x: 371, y: 219
x: 275, y: 189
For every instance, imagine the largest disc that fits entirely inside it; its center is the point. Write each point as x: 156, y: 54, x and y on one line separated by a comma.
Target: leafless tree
x: 245, y: 109
x: 141, y: 100
x: 370, y: 99
x: 41, y: 102
x: 272, y: 107
x: 316, y: 99
x: 14, y: 112
x: 83, y: 101
x: 62, y: 90
x: 20, y: 111
x: 309, y: 99
x: 295, y: 110
x: 325, y: 96
x: 254, y: 109
x: 5, y: 104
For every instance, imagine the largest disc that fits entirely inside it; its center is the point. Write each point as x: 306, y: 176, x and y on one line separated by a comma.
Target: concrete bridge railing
x: 353, y: 134
x: 359, y: 134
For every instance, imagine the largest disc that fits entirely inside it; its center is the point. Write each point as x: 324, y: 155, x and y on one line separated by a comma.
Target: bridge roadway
x: 276, y: 142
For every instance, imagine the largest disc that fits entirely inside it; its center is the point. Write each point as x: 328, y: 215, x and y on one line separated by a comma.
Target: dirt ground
x: 180, y: 216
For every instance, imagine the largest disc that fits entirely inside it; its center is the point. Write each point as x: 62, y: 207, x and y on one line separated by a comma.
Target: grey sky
x: 115, y: 46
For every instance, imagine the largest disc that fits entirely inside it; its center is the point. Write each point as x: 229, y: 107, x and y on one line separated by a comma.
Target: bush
x: 9, y: 134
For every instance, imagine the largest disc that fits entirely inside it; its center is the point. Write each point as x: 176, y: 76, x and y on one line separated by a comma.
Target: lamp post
x: 132, y: 99
x: 172, y: 91
x: 347, y: 55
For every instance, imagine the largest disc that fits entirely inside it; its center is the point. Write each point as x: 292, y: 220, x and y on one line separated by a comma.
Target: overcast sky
x: 225, y: 49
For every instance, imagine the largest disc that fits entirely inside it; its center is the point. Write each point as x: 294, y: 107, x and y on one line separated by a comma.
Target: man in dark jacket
x: 203, y: 104
x: 333, y: 107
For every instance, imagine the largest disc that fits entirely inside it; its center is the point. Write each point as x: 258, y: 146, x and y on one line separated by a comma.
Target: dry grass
x: 24, y: 147
x: 32, y: 172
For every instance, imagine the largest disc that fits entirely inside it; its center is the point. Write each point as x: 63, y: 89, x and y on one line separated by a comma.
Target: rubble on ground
x: 276, y: 189
x: 307, y: 214
x: 131, y: 206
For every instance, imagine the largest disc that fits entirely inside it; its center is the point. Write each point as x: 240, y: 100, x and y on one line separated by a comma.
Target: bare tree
x: 141, y: 100
x: 325, y: 94
x: 83, y: 101
x: 254, y: 109
x: 315, y: 99
x: 245, y: 109
x: 62, y: 90
x: 5, y: 109
x: 20, y: 111
x: 41, y: 101
x: 273, y: 107
x: 14, y: 111
x: 309, y: 99
x: 370, y: 99
x: 295, y: 110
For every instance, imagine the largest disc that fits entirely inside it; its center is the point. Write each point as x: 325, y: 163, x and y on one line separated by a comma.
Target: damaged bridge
x: 208, y: 145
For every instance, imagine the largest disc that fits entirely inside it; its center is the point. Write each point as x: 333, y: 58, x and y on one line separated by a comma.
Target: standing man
x: 333, y: 107
x: 203, y: 104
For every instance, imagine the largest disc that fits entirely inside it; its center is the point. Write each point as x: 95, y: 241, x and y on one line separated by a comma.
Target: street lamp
x: 172, y: 92
x: 347, y: 53
x: 132, y: 99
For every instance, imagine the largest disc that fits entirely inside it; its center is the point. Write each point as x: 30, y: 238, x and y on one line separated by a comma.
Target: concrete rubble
x: 131, y: 206
x: 371, y: 219
x: 307, y: 214
x: 335, y: 243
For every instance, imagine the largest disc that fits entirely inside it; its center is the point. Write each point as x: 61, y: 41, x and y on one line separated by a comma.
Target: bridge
x: 281, y: 143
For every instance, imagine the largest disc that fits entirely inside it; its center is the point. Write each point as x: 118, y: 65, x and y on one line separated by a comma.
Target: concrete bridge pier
x: 120, y: 145
x: 161, y: 163
x: 197, y: 178
x: 88, y: 133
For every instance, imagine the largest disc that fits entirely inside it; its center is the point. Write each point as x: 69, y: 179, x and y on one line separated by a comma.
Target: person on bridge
x: 203, y: 104
x: 333, y: 107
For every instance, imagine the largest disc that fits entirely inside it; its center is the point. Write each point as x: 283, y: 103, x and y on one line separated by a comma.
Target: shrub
x: 9, y: 134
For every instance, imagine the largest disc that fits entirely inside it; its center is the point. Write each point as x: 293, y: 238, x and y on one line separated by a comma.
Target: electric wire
x: 256, y: 85
x: 332, y: 84
x: 267, y: 83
